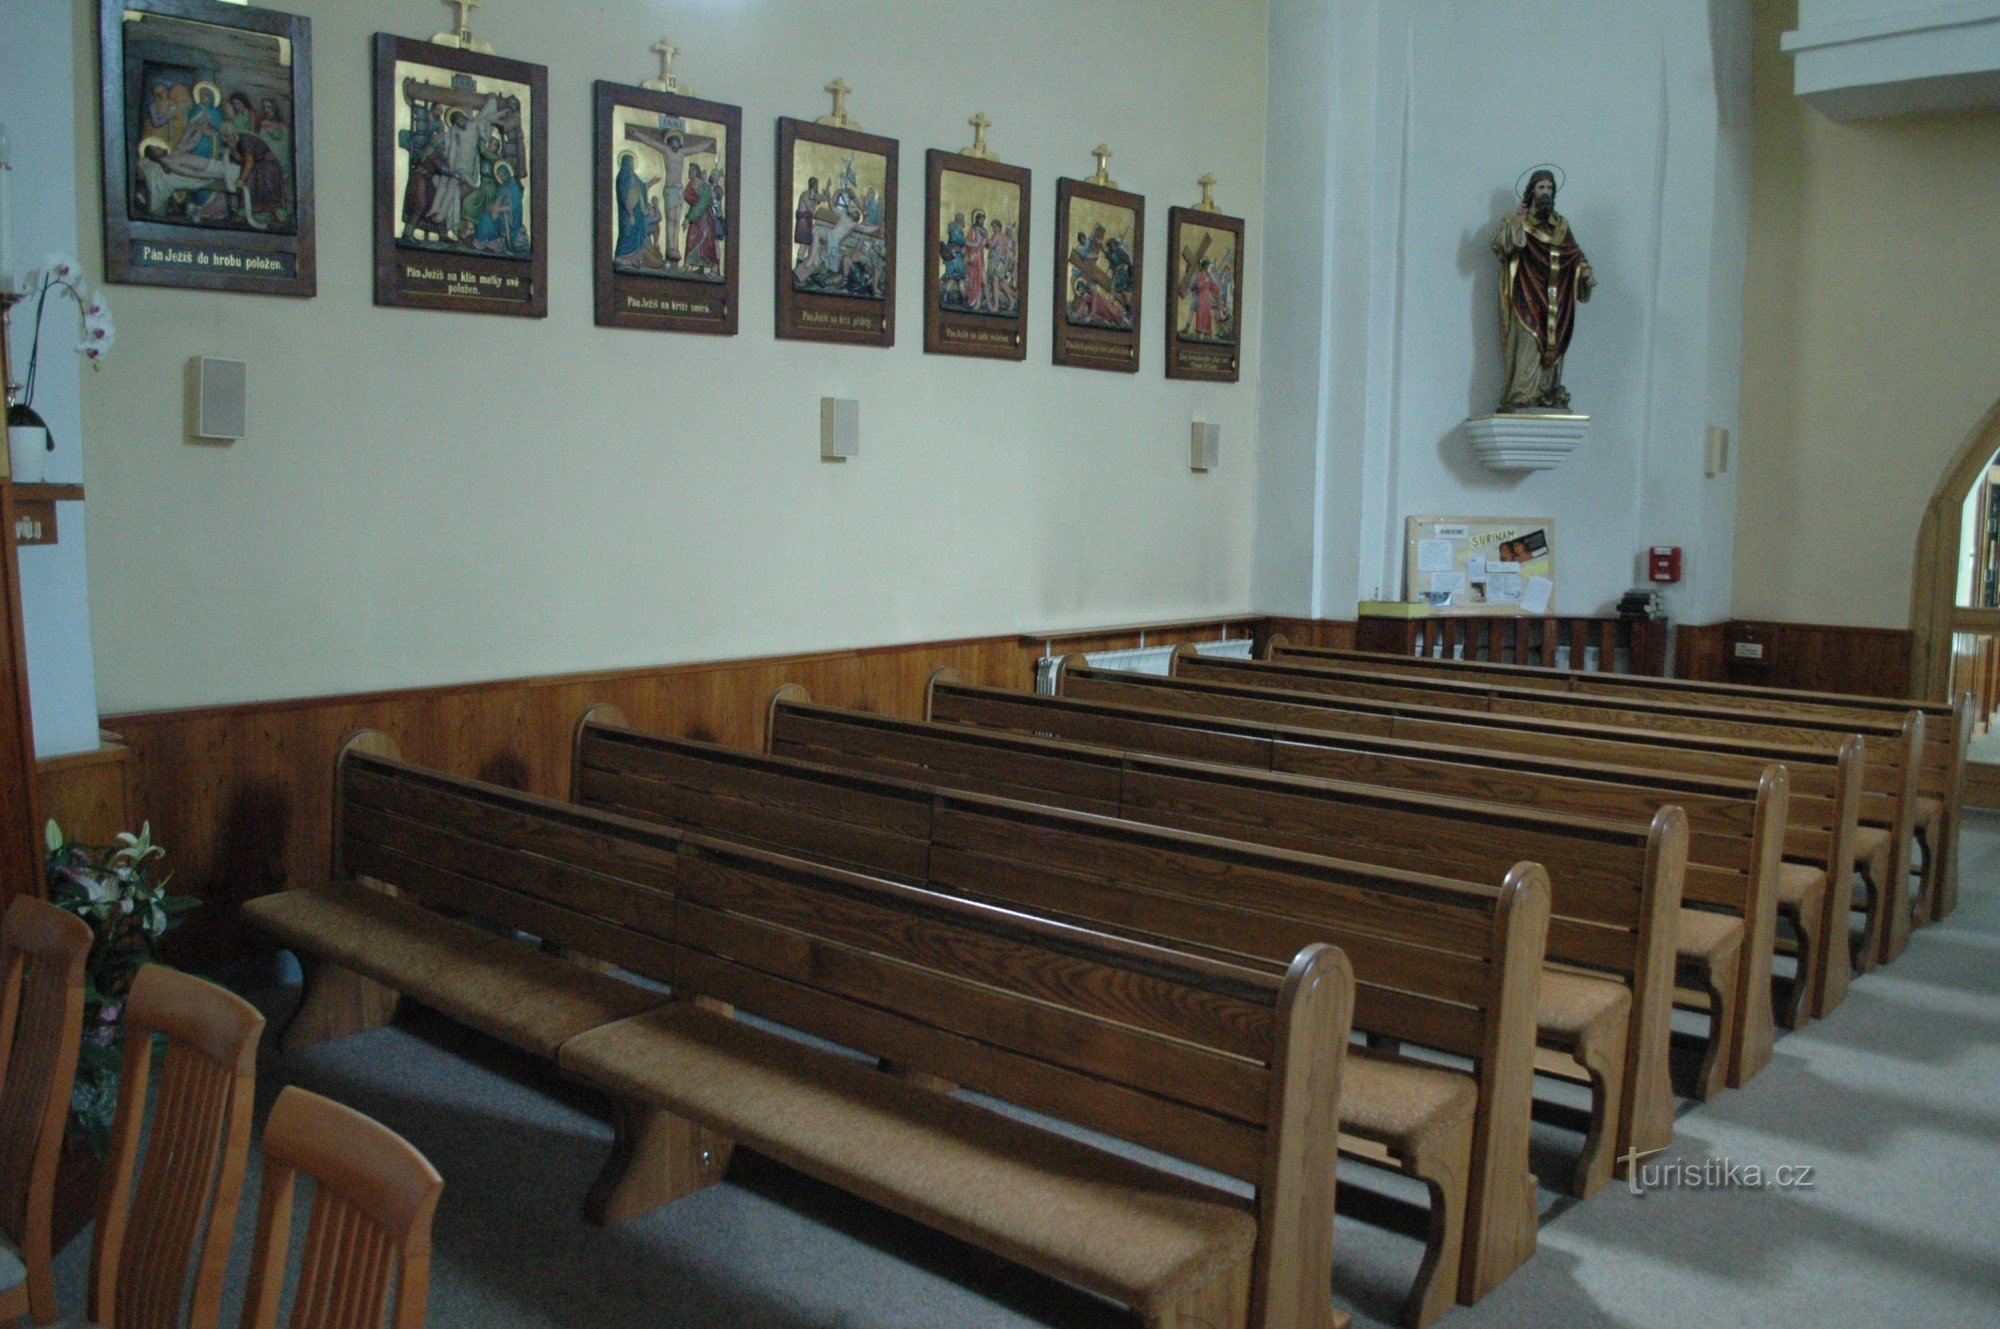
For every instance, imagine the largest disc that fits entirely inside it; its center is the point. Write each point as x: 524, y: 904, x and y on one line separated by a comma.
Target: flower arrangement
x: 111, y: 888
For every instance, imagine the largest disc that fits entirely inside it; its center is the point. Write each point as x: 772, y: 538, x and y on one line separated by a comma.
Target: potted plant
x: 111, y: 888
x: 28, y: 440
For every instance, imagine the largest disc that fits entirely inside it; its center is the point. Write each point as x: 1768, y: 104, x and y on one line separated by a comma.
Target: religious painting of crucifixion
x: 461, y: 214
x: 667, y: 190
x: 975, y: 299
x: 1205, y: 302
x: 836, y: 242
x: 1099, y: 262
x: 207, y: 138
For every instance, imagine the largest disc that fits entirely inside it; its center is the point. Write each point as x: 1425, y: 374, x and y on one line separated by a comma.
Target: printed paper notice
x: 1450, y: 582
x: 1475, y: 568
x: 1434, y: 556
x: 1503, y: 587
x: 1535, y: 599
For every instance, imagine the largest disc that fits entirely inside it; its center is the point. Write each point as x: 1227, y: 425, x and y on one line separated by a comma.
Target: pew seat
x: 1403, y: 1106
x: 514, y: 993
x: 1122, y: 1229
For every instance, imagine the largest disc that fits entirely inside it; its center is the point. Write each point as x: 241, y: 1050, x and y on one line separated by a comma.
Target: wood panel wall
x: 89, y: 794
x: 1817, y: 657
x: 241, y: 795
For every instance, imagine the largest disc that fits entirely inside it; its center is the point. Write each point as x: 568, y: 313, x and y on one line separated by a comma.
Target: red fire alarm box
x: 1663, y: 564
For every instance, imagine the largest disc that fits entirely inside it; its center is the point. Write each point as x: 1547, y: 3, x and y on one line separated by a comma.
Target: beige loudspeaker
x: 218, y: 399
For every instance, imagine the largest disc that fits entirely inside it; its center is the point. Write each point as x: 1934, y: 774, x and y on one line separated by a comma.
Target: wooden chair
x: 151, y: 1222
x: 370, y: 1224
x: 42, y: 953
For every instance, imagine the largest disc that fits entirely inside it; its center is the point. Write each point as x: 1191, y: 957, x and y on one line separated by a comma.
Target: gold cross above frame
x: 666, y: 82
x: 980, y: 124
x: 839, y: 119
x: 461, y: 34
x: 1103, y: 176
x: 1207, y: 183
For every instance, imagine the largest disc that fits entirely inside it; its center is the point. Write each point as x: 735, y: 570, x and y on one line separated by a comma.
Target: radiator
x: 1139, y: 660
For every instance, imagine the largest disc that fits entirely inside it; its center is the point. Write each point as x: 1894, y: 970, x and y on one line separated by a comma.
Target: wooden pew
x: 1940, y: 780
x: 1736, y: 831
x: 1232, y: 1067
x: 1893, y: 747
x: 1312, y: 735
x: 1440, y: 963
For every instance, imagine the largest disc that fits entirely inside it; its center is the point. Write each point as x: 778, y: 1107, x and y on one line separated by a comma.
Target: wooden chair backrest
x: 42, y: 955
x: 1233, y: 1067
x: 175, y: 1209
x: 368, y: 1239
x: 582, y: 881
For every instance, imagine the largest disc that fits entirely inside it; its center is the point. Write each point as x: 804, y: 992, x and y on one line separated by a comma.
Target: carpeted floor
x: 1893, y: 1103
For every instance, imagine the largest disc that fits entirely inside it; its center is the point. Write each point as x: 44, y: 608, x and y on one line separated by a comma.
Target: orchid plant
x: 63, y: 277
x: 111, y: 888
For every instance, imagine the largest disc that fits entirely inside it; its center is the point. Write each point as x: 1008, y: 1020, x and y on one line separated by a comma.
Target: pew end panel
x: 938, y: 677
x: 338, y: 1002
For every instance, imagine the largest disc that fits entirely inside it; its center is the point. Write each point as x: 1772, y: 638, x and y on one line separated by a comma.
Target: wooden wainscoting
x: 1815, y: 657
x: 1333, y: 633
x: 241, y: 795
x: 89, y: 794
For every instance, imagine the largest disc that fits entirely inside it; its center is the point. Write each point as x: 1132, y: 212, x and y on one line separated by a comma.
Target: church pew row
x: 1439, y: 964
x: 1940, y: 779
x: 1735, y: 832
x: 1894, y: 746
x: 1305, y: 735
x: 442, y: 886
x: 1881, y: 796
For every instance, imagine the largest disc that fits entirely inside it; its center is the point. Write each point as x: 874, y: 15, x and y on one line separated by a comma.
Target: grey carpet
x: 1892, y: 1102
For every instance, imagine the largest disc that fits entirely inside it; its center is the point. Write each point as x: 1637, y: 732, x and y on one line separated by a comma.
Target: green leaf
x: 52, y: 836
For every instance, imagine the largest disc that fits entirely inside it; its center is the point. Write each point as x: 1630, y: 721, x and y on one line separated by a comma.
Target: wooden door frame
x: 1934, y: 581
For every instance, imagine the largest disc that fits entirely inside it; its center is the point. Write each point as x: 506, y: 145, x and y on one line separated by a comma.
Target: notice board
x: 1480, y: 565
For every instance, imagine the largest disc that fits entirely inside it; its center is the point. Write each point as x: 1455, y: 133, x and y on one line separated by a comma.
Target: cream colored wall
x: 1872, y: 344
x: 429, y: 498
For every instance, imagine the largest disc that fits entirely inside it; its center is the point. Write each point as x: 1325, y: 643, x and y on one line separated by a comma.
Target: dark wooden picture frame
x: 414, y: 274
x: 184, y: 108
x: 1097, y: 345
x: 984, y: 266
x: 1216, y: 358
x: 809, y: 315
x: 638, y: 288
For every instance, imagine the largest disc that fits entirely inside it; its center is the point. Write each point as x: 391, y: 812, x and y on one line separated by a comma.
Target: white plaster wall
x: 35, y: 80
x: 429, y: 498
x: 1438, y: 107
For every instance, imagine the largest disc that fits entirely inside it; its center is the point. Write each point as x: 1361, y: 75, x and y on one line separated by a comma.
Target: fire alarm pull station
x: 1663, y: 564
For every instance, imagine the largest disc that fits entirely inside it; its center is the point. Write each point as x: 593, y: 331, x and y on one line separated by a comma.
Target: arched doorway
x: 1955, y: 597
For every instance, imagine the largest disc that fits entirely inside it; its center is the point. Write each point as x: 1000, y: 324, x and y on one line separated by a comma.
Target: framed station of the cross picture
x: 975, y: 300
x: 461, y: 208
x: 207, y: 146
x: 836, y: 251
x: 1205, y: 299
x: 667, y: 189
x: 1099, y: 263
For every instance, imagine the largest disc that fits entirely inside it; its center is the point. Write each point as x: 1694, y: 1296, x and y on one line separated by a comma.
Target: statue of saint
x: 1543, y: 275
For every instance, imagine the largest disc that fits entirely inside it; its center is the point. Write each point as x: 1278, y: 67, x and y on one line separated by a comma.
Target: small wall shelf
x: 34, y: 510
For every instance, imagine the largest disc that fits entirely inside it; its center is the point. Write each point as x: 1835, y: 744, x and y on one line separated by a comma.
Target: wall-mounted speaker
x: 218, y: 399
x: 1205, y: 447
x: 839, y: 428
